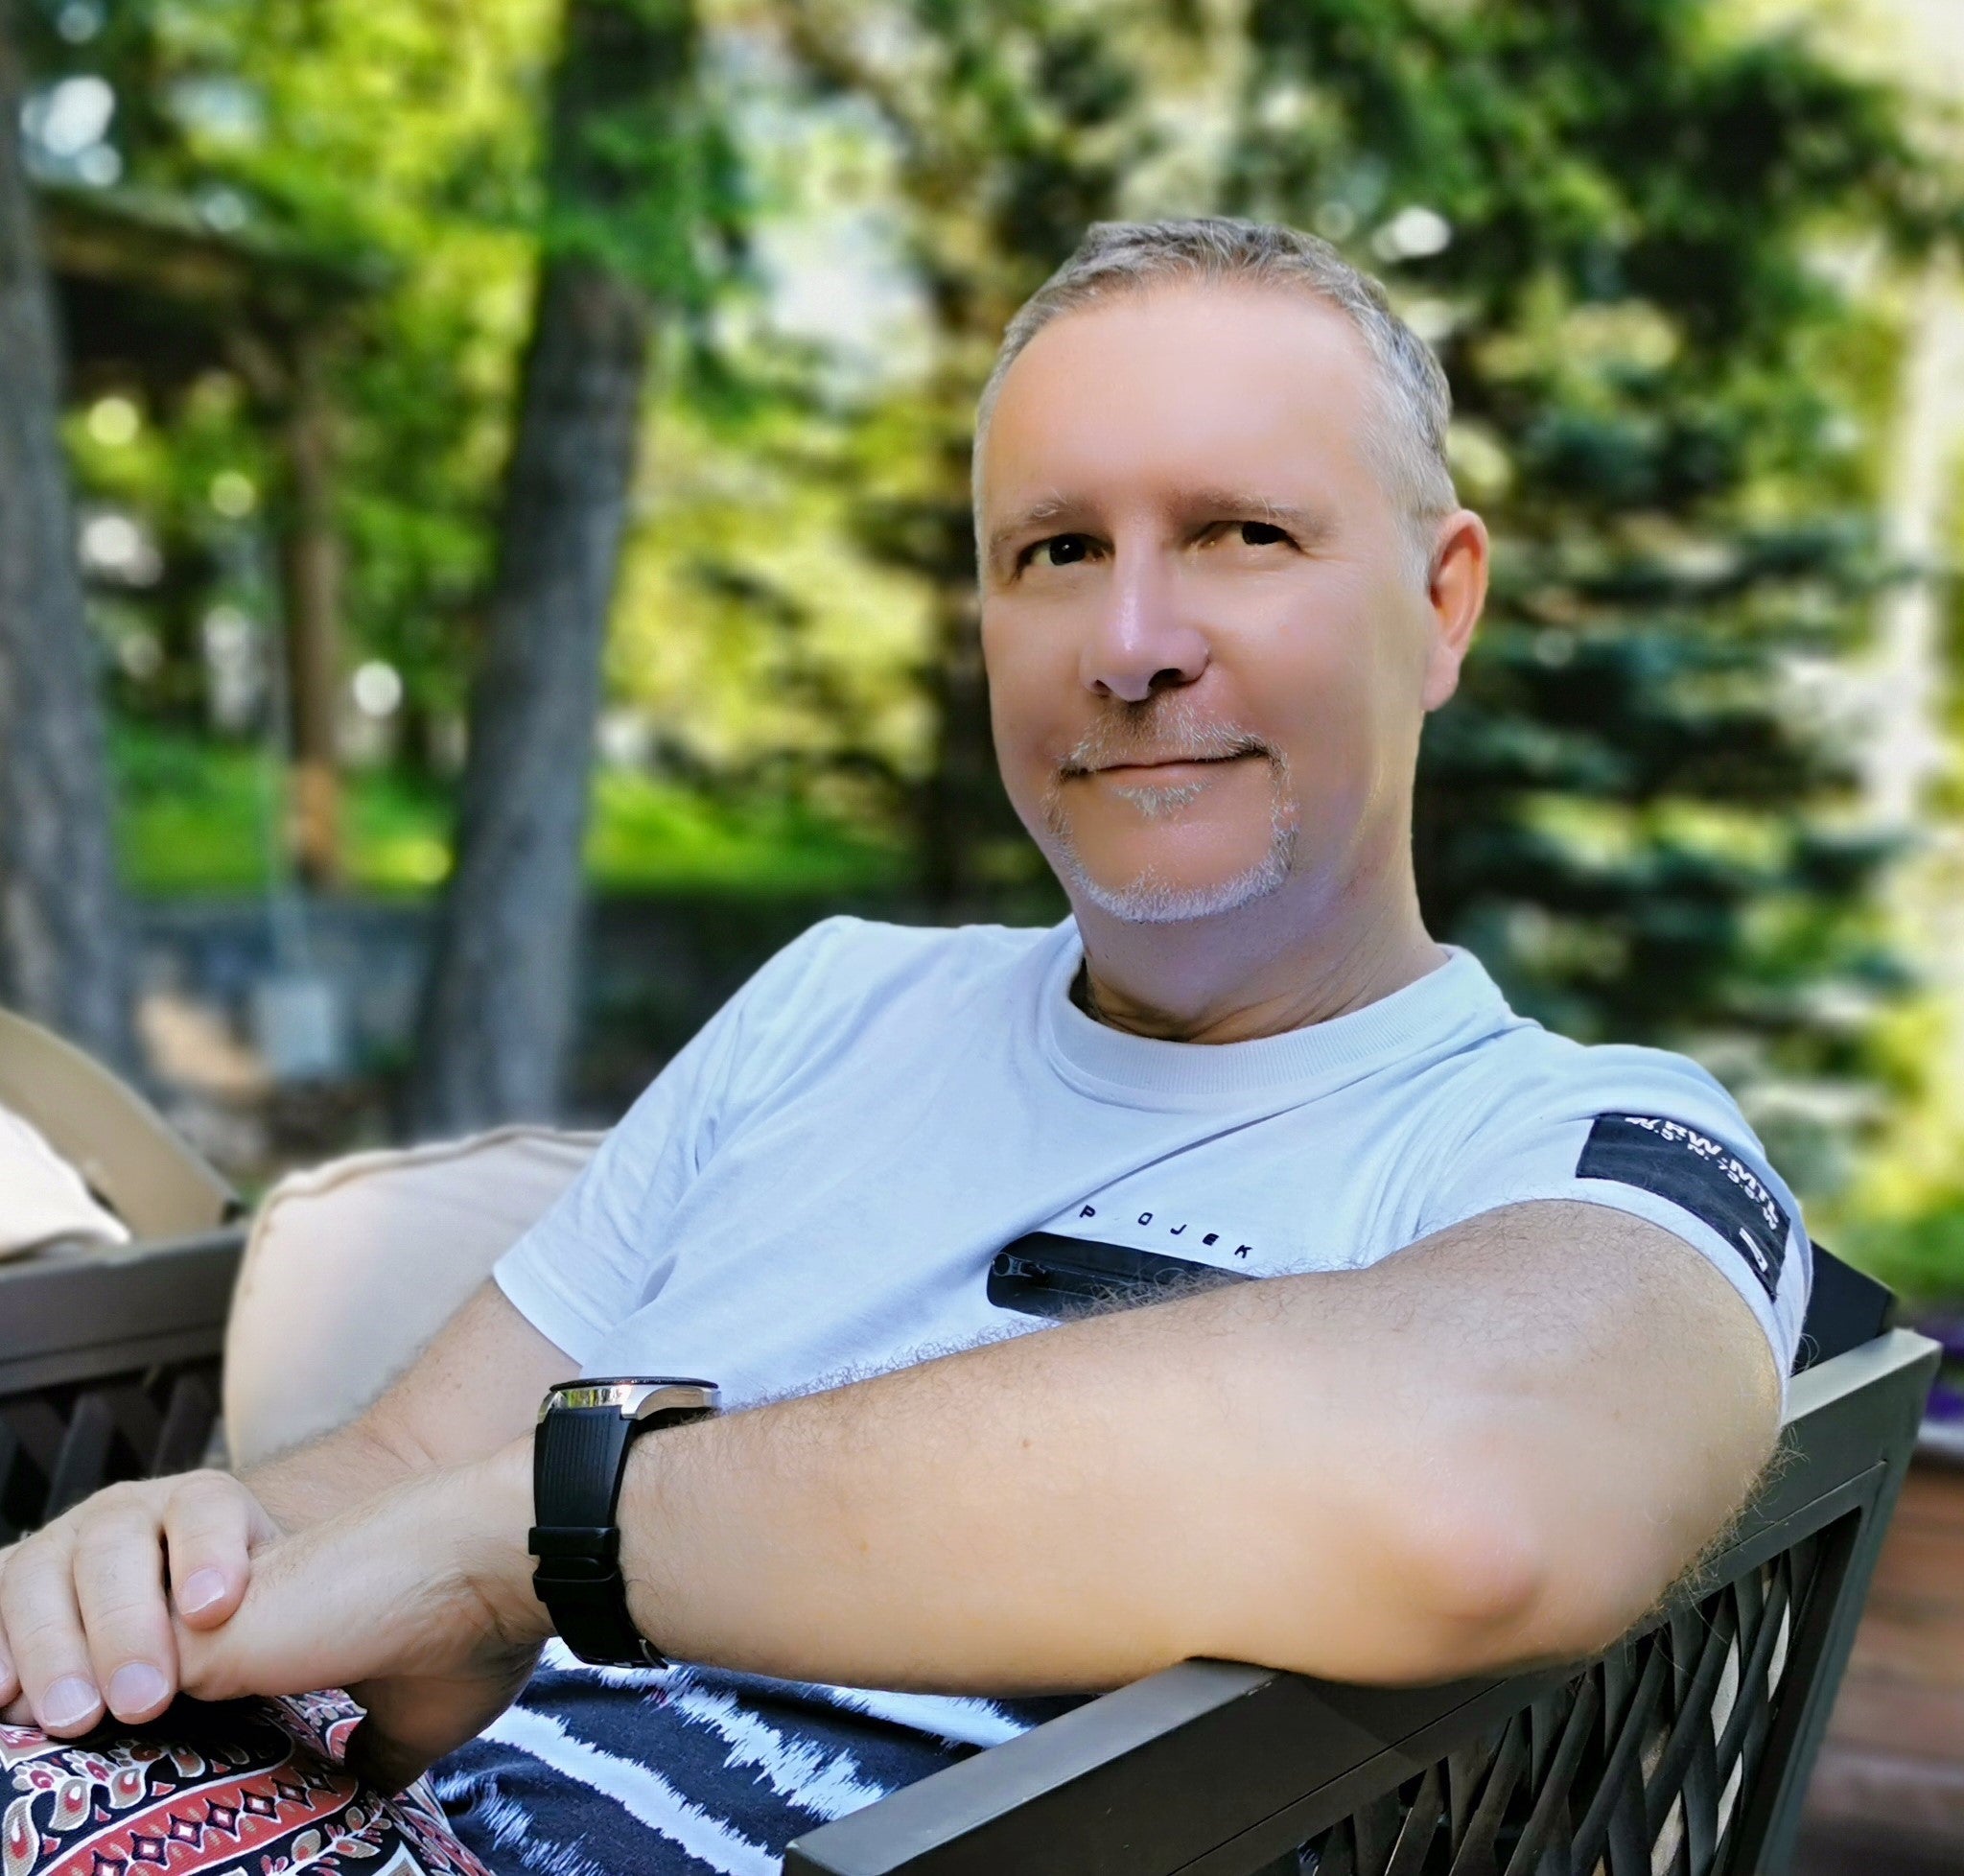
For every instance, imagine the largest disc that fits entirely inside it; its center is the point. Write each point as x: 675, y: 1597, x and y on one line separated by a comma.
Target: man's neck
x: 1270, y: 967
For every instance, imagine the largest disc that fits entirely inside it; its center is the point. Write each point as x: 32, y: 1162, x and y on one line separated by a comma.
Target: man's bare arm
x: 1500, y: 1444
x: 1497, y: 1446
x: 476, y: 1386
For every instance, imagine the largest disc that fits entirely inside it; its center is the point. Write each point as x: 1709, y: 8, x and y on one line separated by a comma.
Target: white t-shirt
x: 817, y: 1186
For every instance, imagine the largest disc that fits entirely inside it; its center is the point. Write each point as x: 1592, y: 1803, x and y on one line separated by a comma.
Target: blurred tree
x: 369, y: 167
x: 1017, y: 124
x: 629, y: 164
x: 1629, y: 226
x: 65, y: 948
x: 1632, y: 229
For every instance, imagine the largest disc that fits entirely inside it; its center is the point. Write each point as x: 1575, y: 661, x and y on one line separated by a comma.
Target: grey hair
x: 1407, y: 440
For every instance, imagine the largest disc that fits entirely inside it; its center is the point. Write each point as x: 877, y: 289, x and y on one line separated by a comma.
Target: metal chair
x: 1683, y: 1752
x: 108, y: 1356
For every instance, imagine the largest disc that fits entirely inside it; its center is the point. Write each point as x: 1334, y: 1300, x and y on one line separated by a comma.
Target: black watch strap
x: 580, y: 1456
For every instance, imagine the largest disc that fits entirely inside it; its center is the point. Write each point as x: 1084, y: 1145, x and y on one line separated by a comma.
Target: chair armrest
x: 72, y: 1312
x: 1218, y: 1766
x: 108, y: 1367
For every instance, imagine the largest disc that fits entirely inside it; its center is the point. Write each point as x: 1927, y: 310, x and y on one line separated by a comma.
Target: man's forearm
x: 1359, y: 1475
x: 471, y: 1389
x: 1500, y: 1445
x: 342, y: 1468
x: 1063, y: 1509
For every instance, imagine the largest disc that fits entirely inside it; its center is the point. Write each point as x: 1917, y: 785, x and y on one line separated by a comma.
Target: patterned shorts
x: 246, y: 1788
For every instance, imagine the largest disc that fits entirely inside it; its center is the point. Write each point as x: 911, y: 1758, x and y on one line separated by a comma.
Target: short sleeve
x: 1649, y: 1133
x: 600, y: 1252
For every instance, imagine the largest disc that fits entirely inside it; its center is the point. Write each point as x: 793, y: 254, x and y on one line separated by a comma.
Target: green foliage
x: 1659, y: 387
x: 640, y: 177
x: 371, y: 171
x: 1919, y: 1255
x: 199, y: 819
x: 1635, y: 230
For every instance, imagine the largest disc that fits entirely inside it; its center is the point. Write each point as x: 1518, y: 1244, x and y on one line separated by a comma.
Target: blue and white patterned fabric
x: 684, y: 1772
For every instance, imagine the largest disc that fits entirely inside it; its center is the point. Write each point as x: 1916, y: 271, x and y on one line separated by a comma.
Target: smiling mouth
x: 1168, y: 769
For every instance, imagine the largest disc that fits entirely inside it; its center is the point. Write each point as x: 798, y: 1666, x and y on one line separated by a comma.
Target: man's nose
x: 1138, y: 643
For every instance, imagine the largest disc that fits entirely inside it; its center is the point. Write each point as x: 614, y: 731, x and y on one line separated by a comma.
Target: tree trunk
x: 310, y: 578
x: 64, y: 944
x: 497, y: 1004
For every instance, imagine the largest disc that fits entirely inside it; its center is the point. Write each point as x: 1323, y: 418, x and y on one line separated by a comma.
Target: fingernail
x: 200, y: 1589
x: 135, y: 1687
x: 69, y: 1701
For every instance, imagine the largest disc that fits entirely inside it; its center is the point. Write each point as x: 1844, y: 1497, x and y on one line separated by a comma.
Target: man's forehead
x: 1188, y: 389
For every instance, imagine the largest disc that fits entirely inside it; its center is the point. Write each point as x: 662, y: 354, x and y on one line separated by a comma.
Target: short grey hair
x: 1407, y: 440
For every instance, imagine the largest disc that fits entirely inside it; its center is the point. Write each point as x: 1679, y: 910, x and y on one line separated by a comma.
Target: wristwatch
x: 580, y: 1456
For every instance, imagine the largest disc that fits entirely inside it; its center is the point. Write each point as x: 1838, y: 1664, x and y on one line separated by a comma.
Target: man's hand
x: 419, y: 1604
x: 93, y: 1607
x: 97, y: 1609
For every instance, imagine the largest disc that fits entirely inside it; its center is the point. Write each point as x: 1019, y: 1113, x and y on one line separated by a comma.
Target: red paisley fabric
x: 247, y: 1788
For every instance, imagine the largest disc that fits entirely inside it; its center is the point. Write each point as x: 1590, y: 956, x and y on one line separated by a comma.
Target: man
x: 1224, y: 582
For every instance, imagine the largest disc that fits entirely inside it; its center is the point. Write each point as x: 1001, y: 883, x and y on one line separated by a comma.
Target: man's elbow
x: 1510, y: 1572
x: 1476, y: 1574
x: 1478, y: 1568
x: 1404, y: 1583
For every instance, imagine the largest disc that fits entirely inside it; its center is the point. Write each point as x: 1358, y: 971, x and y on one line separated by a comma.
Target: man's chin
x: 1156, y: 896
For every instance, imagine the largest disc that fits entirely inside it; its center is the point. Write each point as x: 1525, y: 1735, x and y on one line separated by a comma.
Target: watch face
x: 635, y: 1397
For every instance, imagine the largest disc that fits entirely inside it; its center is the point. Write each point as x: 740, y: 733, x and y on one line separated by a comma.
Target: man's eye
x: 1062, y: 549
x: 1261, y: 533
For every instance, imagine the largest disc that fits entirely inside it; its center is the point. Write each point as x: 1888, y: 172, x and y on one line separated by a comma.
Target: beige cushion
x: 42, y: 1197
x: 352, y: 1266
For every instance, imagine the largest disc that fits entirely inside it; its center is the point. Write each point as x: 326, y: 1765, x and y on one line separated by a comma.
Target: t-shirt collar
x: 1449, y: 1005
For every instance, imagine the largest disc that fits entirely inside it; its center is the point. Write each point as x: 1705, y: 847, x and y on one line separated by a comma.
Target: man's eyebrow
x: 1046, y: 508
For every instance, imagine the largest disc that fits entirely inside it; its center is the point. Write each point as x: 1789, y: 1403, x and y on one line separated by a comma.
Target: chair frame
x: 1217, y: 1769
x: 109, y: 1369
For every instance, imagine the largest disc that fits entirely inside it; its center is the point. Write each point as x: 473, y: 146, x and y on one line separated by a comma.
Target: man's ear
x: 1456, y: 595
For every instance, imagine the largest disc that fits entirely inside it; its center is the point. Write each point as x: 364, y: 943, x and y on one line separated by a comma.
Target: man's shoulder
x: 844, y: 961
x: 1525, y: 1073
x: 848, y: 946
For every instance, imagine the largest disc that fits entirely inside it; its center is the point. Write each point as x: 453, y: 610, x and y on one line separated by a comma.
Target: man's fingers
x: 44, y: 1633
x: 209, y: 1529
x: 87, y: 1605
x: 119, y: 1593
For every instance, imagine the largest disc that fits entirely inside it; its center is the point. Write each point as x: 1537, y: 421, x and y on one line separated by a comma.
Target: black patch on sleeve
x: 1692, y: 1170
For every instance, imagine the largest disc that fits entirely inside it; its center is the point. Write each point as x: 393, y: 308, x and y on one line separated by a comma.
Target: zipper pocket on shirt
x: 1043, y: 1273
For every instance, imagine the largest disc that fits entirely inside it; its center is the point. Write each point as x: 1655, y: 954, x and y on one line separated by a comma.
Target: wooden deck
x: 1888, y: 1791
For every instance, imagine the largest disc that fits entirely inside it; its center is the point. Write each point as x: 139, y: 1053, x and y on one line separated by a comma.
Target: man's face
x: 1208, y: 655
